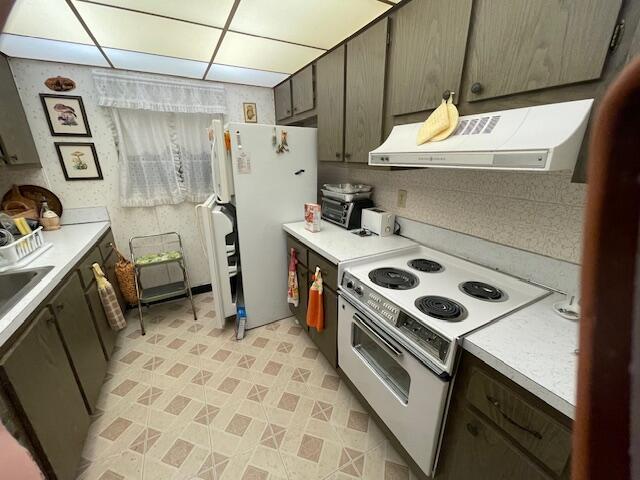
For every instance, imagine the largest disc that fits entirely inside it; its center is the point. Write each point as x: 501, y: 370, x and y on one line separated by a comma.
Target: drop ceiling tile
x: 246, y: 76
x: 263, y: 54
x: 144, y: 62
x: 208, y: 12
x: 317, y: 23
x: 50, y: 50
x: 52, y: 19
x: 125, y: 30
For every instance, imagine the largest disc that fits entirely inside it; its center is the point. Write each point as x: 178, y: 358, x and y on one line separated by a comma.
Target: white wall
x: 126, y: 222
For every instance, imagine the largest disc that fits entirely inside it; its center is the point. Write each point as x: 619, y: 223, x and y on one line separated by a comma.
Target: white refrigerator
x: 258, y: 185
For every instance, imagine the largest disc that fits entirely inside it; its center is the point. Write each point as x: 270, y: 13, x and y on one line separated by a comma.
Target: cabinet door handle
x: 347, y: 155
x: 476, y: 88
x: 496, y: 404
x: 9, y: 159
x: 472, y: 429
x: 337, y: 154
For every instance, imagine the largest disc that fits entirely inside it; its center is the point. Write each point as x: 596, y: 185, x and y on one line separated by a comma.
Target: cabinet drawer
x: 301, y: 250
x: 84, y: 268
x: 542, y: 436
x: 106, y: 245
x: 328, y: 269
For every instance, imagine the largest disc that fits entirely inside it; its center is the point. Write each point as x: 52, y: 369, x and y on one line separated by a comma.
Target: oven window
x: 382, y: 362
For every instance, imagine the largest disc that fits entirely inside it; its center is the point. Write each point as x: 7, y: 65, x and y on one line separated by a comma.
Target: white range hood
x: 540, y: 138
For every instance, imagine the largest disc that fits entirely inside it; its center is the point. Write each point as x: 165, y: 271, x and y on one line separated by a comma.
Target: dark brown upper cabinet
x: 529, y: 45
x: 302, y: 90
x: 282, y: 99
x: 366, y: 65
x: 428, y: 41
x: 330, y: 105
x: 16, y: 143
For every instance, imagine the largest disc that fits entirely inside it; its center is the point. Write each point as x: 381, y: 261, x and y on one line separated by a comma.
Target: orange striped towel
x: 315, y: 309
x: 109, y: 301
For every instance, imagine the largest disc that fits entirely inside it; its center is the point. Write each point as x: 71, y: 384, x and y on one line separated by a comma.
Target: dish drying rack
x: 23, y: 250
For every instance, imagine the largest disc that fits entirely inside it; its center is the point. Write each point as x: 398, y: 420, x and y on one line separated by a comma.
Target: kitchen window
x: 160, y: 129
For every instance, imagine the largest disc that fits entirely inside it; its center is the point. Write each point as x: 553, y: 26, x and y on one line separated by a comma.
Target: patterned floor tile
x: 189, y: 401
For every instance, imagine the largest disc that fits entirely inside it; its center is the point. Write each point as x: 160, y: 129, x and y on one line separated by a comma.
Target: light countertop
x: 70, y: 244
x: 338, y: 244
x: 534, y: 347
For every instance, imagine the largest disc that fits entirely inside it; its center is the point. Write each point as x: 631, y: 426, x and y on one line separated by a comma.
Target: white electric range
x: 401, y: 315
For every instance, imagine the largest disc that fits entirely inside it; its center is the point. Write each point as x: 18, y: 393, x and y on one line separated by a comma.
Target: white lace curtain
x: 160, y: 127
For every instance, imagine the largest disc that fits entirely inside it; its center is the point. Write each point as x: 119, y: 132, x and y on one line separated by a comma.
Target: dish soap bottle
x: 48, y: 218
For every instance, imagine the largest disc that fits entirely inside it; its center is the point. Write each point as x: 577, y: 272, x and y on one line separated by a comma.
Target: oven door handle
x: 362, y: 322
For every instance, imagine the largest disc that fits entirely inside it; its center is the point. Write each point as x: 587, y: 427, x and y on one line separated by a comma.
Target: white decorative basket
x: 23, y: 250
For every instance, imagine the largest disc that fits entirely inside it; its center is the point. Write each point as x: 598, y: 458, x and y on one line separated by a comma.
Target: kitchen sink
x: 15, y: 285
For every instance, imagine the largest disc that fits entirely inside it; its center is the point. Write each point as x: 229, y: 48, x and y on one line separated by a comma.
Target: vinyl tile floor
x: 187, y: 401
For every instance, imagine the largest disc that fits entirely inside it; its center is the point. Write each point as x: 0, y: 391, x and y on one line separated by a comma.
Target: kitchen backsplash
x: 537, y: 212
x: 126, y: 222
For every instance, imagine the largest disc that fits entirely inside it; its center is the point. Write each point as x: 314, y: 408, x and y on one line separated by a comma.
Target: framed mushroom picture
x: 65, y: 115
x: 79, y: 161
x: 250, y: 113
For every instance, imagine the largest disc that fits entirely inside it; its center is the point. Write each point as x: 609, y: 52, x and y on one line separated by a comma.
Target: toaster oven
x: 346, y: 214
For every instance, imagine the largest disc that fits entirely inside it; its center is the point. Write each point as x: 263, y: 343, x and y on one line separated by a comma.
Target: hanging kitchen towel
x: 293, y: 294
x: 315, y: 309
x: 109, y: 301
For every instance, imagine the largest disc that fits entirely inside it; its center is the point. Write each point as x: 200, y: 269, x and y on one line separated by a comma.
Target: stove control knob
x: 349, y: 284
x: 358, y: 290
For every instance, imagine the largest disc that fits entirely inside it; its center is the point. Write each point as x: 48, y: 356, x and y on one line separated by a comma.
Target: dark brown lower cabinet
x: 327, y: 340
x: 37, y: 373
x: 80, y: 338
x: 481, y: 453
x: 496, y: 430
x: 108, y: 336
x: 308, y: 260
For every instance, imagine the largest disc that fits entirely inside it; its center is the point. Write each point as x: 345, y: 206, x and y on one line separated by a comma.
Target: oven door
x: 405, y: 394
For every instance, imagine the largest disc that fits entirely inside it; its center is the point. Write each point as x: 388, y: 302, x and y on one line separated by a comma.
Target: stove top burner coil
x: 441, y: 308
x: 425, y: 265
x: 483, y: 291
x: 393, y: 278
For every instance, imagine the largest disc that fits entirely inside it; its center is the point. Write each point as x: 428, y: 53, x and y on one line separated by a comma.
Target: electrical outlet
x: 402, y: 198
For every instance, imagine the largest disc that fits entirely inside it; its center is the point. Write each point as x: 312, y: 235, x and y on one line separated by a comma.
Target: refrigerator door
x: 270, y: 189
x: 215, y: 225
x: 220, y: 164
